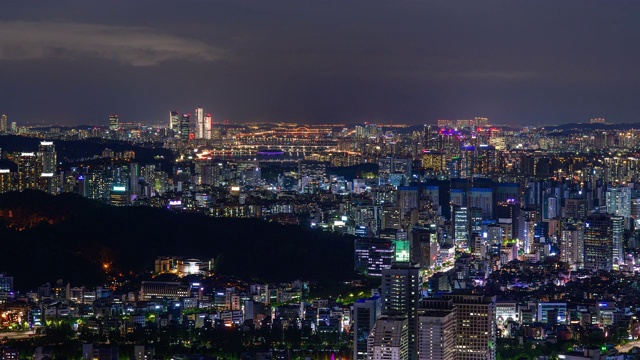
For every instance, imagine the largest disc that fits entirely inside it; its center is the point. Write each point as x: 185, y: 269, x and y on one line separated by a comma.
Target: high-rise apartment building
x: 47, y: 157
x: 47, y: 161
x: 572, y: 245
x: 6, y: 180
x: 27, y: 171
x: 365, y: 314
x: 618, y: 201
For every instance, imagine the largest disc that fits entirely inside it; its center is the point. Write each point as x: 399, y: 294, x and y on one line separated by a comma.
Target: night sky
x: 347, y: 61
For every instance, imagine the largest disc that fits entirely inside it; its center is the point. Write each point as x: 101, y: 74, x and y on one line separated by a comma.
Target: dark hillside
x: 70, y: 237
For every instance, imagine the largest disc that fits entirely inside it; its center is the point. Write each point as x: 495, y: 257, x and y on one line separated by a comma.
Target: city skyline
x: 319, y: 62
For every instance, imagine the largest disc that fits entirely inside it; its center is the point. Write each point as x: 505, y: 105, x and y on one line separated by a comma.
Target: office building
x: 199, y: 113
x: 184, y: 127
x: 365, y: 314
x: 433, y: 161
x: 401, y: 286
x: 559, y: 310
x: 436, y: 334
x: 373, y: 255
x: 6, y: 283
x: 114, y: 122
x: 174, y: 123
x: 160, y: 289
x: 618, y: 201
x: 4, y: 124
x: 481, y: 198
x: 598, y: 243
x: 118, y: 196
x: 208, y: 127
x: 617, y: 236
x: 389, y: 339
x: 475, y: 325
x: 461, y: 228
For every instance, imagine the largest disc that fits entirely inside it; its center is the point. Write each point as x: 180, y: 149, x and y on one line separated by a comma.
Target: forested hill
x: 45, y: 238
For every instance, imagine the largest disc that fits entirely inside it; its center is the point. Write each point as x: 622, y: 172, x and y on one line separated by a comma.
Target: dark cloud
x: 129, y: 45
x: 318, y: 61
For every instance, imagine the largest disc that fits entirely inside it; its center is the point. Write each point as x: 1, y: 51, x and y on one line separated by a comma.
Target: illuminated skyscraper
x: 619, y: 201
x: 46, y: 167
x: 27, y: 171
x: 114, y: 122
x: 365, y: 314
x: 47, y: 157
x: 174, y: 123
x: 207, y: 127
x: 617, y: 236
x: 4, y: 124
x: 598, y: 243
x: 184, y: 126
x: 199, y: 123
x: 401, y: 286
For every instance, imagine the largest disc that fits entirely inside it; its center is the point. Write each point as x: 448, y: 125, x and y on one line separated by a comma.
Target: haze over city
x: 545, y: 62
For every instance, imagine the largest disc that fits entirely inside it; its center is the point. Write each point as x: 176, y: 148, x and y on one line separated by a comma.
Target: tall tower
x: 184, y: 126
x: 47, y: 167
x: 401, y: 286
x: 4, y: 124
x: 365, y: 314
x: 174, y: 123
x: 199, y: 123
x: 617, y: 237
x: 47, y: 157
x: 207, y: 127
x: 114, y: 122
x: 27, y: 171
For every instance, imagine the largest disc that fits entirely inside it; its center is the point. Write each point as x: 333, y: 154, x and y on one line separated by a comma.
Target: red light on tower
x: 192, y: 136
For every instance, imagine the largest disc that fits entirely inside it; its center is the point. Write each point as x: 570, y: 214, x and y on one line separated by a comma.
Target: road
x: 628, y: 346
x: 17, y: 335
